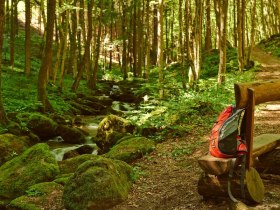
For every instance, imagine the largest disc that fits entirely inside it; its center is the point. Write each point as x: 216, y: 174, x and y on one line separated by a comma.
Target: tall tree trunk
x: 124, y: 36
x: 64, y: 50
x: 27, y: 37
x: 223, y: 41
x: 134, y: 39
x: 181, y: 46
x: 73, y: 41
x: 3, y: 117
x: 155, y: 37
x: 218, y: 24
x: 47, y: 58
x: 197, y: 44
x: 253, y: 26
x: 160, y: 60
x: 208, y: 35
x: 241, y: 33
x: 93, y: 76
x: 13, y: 32
x: 148, y: 45
x: 86, y: 58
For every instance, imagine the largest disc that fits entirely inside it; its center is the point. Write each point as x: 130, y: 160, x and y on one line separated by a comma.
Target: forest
x: 93, y: 93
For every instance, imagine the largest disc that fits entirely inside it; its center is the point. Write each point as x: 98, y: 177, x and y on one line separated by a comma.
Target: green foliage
x: 33, y: 192
x: 137, y: 173
x: 271, y: 45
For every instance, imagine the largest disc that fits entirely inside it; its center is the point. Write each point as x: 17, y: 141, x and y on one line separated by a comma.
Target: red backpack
x: 225, y: 139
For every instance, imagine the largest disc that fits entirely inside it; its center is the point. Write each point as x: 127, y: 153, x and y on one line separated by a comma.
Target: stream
x: 89, y: 125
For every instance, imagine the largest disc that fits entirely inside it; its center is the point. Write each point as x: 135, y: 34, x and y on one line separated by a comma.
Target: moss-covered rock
x: 110, y: 130
x: 131, y: 148
x: 98, y: 184
x: 46, y: 195
x: 33, y: 166
x: 70, y: 135
x: 42, y: 126
x: 11, y: 146
x: 63, y: 178
x: 70, y: 165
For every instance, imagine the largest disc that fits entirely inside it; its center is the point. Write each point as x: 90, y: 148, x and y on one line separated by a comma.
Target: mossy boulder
x: 98, y: 184
x: 43, y: 126
x: 70, y: 165
x: 46, y: 195
x: 33, y: 166
x: 131, y: 148
x: 11, y: 146
x: 110, y: 130
x: 70, y: 135
x: 63, y: 178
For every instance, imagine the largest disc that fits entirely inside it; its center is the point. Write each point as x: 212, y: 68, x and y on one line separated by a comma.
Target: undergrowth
x: 181, y: 111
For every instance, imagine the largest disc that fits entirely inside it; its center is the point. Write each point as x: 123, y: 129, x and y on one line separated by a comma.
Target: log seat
x: 261, y: 144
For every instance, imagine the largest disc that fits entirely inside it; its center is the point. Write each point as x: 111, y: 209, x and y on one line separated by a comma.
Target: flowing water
x: 89, y: 125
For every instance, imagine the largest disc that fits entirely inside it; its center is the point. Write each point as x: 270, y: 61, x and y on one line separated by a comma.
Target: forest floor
x: 170, y: 174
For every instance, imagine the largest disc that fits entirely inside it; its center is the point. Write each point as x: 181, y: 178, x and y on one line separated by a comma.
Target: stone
x: 33, y: 166
x: 98, y: 184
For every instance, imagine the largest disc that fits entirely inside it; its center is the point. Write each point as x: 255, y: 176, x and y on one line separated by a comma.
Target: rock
x: 70, y: 135
x: 46, y: 195
x: 33, y: 166
x: 70, y: 154
x: 98, y: 184
x: 63, y: 178
x: 84, y: 149
x: 70, y: 165
x: 131, y: 148
x: 43, y: 126
x: 110, y: 130
x: 84, y: 109
x: 11, y: 146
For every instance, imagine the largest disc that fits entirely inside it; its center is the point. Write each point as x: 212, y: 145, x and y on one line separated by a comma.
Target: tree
x: 47, y: 59
x: 241, y: 33
x: 27, y: 37
x: 160, y: 60
x: 3, y: 117
x: 223, y: 40
x: 85, y: 65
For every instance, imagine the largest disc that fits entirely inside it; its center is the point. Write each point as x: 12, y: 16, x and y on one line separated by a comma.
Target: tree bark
x: 223, y: 40
x: 27, y: 37
x: 208, y: 35
x: 160, y: 60
x: 3, y: 117
x: 47, y: 58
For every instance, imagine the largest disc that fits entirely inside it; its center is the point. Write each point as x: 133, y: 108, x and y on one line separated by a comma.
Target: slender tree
x: 27, y: 37
x: 223, y: 40
x: 3, y: 117
x: 47, y: 58
x: 160, y: 60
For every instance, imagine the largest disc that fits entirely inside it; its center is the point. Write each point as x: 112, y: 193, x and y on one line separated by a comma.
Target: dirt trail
x: 170, y: 173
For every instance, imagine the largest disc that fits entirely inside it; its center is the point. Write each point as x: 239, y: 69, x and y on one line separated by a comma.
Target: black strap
x: 242, y: 175
x: 233, y: 160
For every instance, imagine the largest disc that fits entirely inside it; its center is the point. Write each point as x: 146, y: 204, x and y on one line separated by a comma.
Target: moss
x: 131, y: 148
x: 40, y: 196
x: 98, y: 184
x: 70, y: 165
x: 11, y: 146
x: 109, y: 129
x: 42, y: 126
x: 63, y: 179
x: 35, y: 165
